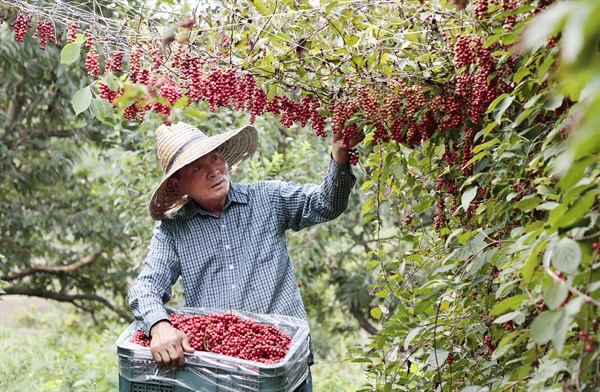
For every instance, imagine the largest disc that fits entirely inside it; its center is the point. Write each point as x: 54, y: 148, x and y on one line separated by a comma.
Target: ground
x: 12, y: 306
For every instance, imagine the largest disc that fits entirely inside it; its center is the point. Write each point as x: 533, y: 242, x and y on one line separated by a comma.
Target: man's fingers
x: 186, y: 345
x: 158, y: 357
x: 174, y: 354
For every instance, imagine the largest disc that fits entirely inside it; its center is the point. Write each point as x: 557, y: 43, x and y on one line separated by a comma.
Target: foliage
x: 482, y: 154
x: 68, y: 354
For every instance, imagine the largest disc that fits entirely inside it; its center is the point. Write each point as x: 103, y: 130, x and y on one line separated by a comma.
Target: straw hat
x: 180, y: 144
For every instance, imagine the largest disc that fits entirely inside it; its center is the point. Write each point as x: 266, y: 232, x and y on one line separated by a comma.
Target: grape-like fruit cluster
x: 91, y: 62
x: 45, y: 32
x: 21, y: 25
x: 480, y: 9
x: 230, y: 335
x: 71, y: 31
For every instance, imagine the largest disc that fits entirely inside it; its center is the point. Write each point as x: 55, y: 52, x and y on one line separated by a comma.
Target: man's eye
x: 198, y: 168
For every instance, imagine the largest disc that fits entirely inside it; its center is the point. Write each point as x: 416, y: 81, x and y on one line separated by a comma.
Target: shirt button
x: 226, y: 246
x: 231, y: 266
x: 233, y: 286
x: 222, y: 226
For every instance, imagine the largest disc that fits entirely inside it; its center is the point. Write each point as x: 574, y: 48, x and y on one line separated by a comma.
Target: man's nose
x: 214, y: 170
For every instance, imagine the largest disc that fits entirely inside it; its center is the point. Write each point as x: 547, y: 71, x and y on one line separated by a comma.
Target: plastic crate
x: 209, y: 372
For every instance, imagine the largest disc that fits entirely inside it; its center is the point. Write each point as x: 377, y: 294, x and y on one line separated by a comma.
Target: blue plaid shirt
x: 238, y: 260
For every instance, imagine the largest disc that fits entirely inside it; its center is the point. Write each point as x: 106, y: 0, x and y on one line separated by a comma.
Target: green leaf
x: 556, y: 294
x: 70, y: 53
x: 193, y: 112
x: 502, y: 105
x: 260, y: 6
x: 508, y: 303
x: 542, y: 328
x: 553, y: 102
x: 520, y: 74
x: 528, y: 204
x: 376, y: 312
x: 411, y: 335
x: 485, y: 145
x: 507, y: 317
x: 560, y: 332
x: 181, y: 102
x: 111, y: 81
x: 575, y: 172
x: 468, y: 196
x: 566, y: 255
x: 578, y: 210
x: 438, y: 357
x: 81, y: 100
x: 548, y: 206
x: 369, y: 204
x: 497, y: 101
x: 422, y: 306
x: 100, y: 108
x: 532, y: 262
x: 350, y: 40
x: 477, y: 157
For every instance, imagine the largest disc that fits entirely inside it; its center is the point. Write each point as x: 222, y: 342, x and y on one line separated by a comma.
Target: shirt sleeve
x: 300, y: 206
x: 153, y: 287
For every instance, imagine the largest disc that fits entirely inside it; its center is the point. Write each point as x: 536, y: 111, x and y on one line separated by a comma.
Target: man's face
x: 206, y: 180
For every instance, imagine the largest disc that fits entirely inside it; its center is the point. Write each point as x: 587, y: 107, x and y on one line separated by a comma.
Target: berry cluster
x: 21, y: 25
x: 487, y: 340
x: 91, y: 62
x: 480, y: 8
x: 511, y: 20
x: 450, y: 358
x: 230, y: 335
x: 369, y: 101
x: 45, y: 31
x: 106, y: 93
x: 115, y: 63
x: 440, y: 217
x: 135, y: 63
x: 463, y: 52
x: 71, y: 31
x: 468, y: 152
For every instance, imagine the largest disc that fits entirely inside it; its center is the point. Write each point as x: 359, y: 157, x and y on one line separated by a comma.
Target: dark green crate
x: 156, y: 386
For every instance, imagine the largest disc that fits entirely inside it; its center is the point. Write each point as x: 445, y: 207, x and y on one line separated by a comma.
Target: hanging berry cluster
x: 230, y: 335
x: 176, y: 76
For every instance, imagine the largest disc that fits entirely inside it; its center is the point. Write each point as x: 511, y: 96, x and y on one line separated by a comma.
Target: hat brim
x: 235, y: 146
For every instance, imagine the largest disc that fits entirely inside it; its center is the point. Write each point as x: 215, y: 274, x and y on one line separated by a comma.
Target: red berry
x: 589, y: 349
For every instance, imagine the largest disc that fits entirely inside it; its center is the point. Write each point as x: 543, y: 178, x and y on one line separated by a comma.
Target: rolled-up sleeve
x: 300, y: 206
x: 153, y: 287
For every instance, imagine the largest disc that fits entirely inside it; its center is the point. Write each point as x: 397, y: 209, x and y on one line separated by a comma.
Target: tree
x: 482, y: 149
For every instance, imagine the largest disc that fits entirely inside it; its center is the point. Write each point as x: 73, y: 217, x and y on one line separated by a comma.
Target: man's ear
x: 173, y: 183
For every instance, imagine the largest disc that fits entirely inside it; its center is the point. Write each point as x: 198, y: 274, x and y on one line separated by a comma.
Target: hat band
x: 182, y: 149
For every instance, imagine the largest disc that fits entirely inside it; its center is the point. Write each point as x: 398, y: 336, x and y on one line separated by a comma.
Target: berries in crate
x: 235, y: 351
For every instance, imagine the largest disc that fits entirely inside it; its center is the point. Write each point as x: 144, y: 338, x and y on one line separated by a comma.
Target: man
x: 225, y: 240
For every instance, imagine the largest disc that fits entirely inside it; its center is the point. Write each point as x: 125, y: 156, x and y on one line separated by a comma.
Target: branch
x: 71, y: 298
x: 364, y: 323
x: 54, y: 270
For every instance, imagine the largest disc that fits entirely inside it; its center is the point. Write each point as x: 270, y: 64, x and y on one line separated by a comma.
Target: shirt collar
x: 237, y: 194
